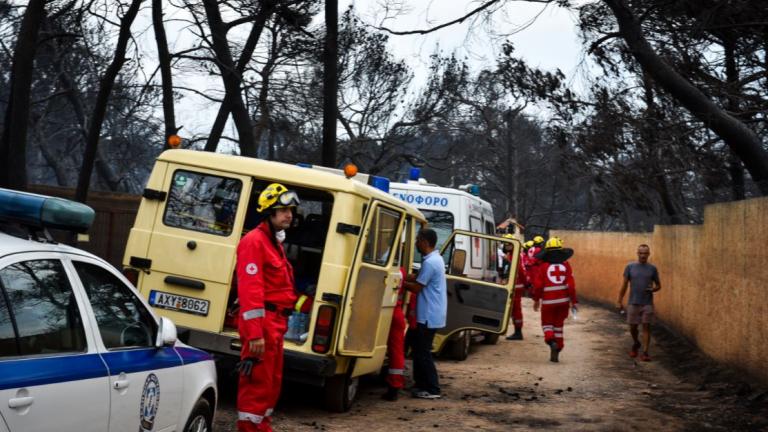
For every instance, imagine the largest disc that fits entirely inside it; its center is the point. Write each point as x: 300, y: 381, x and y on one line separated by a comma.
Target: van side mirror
x: 166, y: 334
x: 458, y: 260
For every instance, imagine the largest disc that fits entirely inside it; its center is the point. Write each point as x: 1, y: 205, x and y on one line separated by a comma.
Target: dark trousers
x: 424, y: 371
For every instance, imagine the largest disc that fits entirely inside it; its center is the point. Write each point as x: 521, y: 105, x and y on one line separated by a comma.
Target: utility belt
x: 282, y: 311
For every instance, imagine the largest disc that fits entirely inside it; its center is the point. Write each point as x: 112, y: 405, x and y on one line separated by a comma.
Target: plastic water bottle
x: 574, y: 313
x: 293, y: 326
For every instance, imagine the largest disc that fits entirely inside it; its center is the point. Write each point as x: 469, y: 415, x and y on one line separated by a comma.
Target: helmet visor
x: 288, y: 199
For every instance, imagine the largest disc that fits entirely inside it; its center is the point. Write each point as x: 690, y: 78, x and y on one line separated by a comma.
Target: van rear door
x: 373, y: 284
x: 192, y: 248
x: 474, y: 303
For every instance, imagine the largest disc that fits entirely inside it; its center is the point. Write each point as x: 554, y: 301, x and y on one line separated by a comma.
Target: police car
x: 80, y: 350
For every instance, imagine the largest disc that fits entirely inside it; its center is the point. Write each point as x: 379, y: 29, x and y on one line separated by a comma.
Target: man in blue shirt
x: 431, y: 309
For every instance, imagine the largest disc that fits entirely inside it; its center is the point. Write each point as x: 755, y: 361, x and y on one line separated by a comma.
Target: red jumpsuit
x: 396, y: 342
x: 520, y: 281
x: 554, y: 285
x: 266, y: 296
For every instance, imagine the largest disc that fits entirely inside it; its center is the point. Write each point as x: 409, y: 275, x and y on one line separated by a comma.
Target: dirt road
x: 513, y: 386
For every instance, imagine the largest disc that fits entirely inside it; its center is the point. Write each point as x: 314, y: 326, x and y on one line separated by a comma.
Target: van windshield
x: 442, y: 223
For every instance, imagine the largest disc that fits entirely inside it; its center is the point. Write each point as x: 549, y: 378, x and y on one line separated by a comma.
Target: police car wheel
x: 201, y: 419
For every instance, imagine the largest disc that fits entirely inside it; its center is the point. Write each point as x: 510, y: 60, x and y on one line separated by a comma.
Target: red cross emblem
x: 556, y: 273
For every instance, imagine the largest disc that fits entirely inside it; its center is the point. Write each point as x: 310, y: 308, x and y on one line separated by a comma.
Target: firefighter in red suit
x: 396, y: 347
x: 266, y: 296
x: 554, y: 289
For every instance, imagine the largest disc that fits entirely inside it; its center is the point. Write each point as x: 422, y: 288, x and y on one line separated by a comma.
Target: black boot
x: 391, y: 394
x: 554, y: 352
x: 517, y: 335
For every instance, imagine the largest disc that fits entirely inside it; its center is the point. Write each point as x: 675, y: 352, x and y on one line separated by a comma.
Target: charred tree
x: 231, y: 78
x: 330, y: 83
x: 164, y: 58
x: 13, y: 145
x: 106, y: 84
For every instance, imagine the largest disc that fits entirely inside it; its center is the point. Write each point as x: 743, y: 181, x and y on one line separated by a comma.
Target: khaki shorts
x: 640, y: 314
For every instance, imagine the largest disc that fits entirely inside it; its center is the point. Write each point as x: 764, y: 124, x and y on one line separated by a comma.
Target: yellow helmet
x: 509, y: 236
x: 277, y: 196
x: 554, y: 243
x: 538, y: 240
x: 527, y: 245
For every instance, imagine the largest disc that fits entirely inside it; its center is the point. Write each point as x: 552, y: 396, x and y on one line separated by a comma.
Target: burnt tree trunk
x: 245, y: 56
x: 735, y: 167
x: 330, y: 83
x: 106, y: 84
x: 164, y: 58
x: 13, y: 144
x: 742, y: 140
x: 231, y: 78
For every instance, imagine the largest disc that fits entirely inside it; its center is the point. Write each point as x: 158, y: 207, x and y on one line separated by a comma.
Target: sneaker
x: 391, y: 394
x: 423, y: 394
x: 633, y: 351
x: 554, y: 352
x: 645, y: 357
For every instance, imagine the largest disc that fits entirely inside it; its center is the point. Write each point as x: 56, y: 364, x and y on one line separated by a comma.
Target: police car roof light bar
x: 40, y: 211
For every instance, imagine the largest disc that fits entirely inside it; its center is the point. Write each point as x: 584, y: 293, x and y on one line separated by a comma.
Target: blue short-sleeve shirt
x: 432, y: 303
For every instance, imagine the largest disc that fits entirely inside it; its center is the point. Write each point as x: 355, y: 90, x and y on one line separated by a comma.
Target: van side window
x: 477, y: 245
x: 442, y: 223
x: 381, y: 239
x: 202, y: 202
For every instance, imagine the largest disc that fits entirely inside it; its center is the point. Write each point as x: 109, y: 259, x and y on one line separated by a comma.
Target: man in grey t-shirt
x: 643, y: 279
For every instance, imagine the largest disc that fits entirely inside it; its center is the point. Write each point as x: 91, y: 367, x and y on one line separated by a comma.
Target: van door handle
x: 20, y: 402
x: 121, y: 384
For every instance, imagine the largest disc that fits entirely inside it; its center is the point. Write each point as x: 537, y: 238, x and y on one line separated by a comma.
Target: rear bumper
x: 298, y: 367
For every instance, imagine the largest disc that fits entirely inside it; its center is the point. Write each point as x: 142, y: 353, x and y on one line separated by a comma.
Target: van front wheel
x: 459, y: 348
x: 340, y: 392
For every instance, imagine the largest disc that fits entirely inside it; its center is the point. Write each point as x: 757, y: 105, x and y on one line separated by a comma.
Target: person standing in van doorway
x: 431, y: 310
x: 267, y: 297
x: 520, y: 281
x: 643, y: 278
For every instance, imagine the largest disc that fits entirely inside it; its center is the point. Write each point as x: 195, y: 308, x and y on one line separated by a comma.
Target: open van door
x: 473, y: 303
x: 373, y: 284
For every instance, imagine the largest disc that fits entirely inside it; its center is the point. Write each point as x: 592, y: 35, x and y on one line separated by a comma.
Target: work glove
x: 245, y: 366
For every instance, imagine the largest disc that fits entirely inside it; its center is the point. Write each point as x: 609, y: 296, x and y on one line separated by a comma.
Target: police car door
x: 474, y: 303
x: 51, y: 375
x: 373, y: 284
x: 145, y: 381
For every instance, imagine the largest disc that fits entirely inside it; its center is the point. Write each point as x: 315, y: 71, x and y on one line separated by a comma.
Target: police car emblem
x: 251, y: 269
x: 150, y: 401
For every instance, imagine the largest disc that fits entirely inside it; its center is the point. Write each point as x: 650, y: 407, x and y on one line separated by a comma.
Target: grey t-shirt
x: 640, y: 277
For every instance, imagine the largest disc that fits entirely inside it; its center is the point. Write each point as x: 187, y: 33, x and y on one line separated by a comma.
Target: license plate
x: 176, y: 302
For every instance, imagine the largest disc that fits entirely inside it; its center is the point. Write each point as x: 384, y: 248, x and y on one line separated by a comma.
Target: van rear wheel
x: 340, y: 392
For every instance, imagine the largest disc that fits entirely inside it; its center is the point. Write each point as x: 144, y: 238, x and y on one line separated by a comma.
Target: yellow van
x: 347, y: 244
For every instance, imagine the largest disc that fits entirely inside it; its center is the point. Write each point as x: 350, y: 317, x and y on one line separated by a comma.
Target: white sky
x: 549, y: 41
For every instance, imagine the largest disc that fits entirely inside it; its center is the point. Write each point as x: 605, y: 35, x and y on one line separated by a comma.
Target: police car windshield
x: 442, y: 223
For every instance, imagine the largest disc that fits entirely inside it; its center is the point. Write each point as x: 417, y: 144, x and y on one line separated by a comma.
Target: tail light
x: 132, y: 275
x: 321, y: 340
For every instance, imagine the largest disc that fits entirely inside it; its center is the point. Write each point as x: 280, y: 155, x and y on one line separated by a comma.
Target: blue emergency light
x: 381, y: 183
x: 414, y: 174
x: 474, y: 190
x: 304, y: 165
x: 42, y: 211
